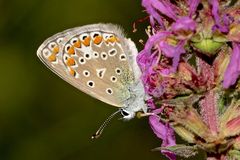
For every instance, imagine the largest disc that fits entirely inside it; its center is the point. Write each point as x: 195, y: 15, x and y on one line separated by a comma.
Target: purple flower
x: 155, y: 39
x: 233, y: 70
x: 146, y: 60
x: 193, y: 4
x: 180, y: 73
x: 184, y: 27
x: 166, y: 49
x: 149, y: 62
x: 222, y: 26
x: 162, y: 6
x: 153, y: 13
x: 173, y: 52
x: 162, y: 131
x: 150, y: 75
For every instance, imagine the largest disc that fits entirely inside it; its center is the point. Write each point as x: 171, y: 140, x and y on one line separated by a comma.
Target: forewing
x: 96, y: 59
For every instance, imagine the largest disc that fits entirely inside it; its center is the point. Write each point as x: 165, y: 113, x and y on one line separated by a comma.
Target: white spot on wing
x: 91, y: 84
x: 118, y: 71
x: 46, y: 53
x: 95, y: 54
x: 101, y: 72
x: 83, y: 36
x: 104, y: 56
x: 122, y: 57
x: 109, y: 91
x: 112, y: 52
x: 73, y: 40
x: 59, y: 40
x: 76, y: 75
x: 86, y: 73
x: 106, y: 36
x: 113, y: 79
x: 67, y: 47
x: 94, y: 34
x: 87, y: 56
x: 82, y: 60
x: 52, y: 45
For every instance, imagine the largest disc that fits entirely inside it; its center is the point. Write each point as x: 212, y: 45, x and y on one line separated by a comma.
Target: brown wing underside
x: 93, y: 60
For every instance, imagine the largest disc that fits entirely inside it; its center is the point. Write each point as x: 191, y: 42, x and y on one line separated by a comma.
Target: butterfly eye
x: 109, y: 91
x: 82, y: 60
x: 118, y: 71
x: 46, y: 53
x: 124, y: 113
x: 59, y: 40
x: 52, y: 45
x: 122, y: 57
x: 91, y: 84
x: 86, y: 73
x: 112, y: 52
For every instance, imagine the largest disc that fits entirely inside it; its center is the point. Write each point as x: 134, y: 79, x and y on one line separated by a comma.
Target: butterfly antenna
x: 105, y: 123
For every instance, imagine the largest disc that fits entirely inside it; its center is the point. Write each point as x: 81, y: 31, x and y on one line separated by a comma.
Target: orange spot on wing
x: 70, y: 62
x: 52, y: 57
x: 86, y: 41
x: 97, y: 40
x: 71, y: 50
x: 72, y: 72
x: 112, y: 39
x: 55, y: 50
x: 77, y: 44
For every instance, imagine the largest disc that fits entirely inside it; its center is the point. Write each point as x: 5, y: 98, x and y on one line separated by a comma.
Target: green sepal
x: 180, y: 150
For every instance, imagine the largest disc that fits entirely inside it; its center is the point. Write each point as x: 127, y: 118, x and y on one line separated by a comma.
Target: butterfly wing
x: 97, y: 59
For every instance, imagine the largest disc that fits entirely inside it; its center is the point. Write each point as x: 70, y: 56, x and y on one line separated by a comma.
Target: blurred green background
x: 41, y: 116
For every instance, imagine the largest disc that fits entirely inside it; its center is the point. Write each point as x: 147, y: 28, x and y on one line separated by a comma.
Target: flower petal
x: 154, y: 15
x: 193, y: 4
x: 173, y: 52
x: 162, y: 6
x: 184, y: 24
x: 164, y: 132
x: 233, y: 69
x: 155, y: 39
x: 224, y: 28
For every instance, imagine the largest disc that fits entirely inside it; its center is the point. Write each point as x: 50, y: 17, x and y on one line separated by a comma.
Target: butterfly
x: 100, y: 61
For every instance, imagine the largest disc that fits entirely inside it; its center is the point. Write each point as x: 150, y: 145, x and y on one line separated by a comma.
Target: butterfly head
x: 127, y: 114
x: 135, y: 103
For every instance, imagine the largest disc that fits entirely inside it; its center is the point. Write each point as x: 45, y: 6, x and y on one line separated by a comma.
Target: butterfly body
x: 98, y: 60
